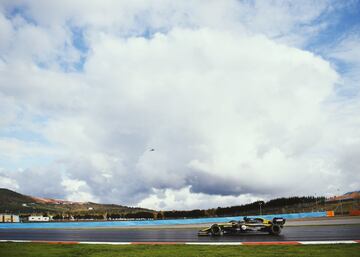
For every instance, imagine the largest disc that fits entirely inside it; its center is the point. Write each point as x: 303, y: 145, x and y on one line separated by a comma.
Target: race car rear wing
x: 279, y: 221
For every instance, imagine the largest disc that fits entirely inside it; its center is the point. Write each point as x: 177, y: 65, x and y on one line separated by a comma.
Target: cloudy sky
x: 240, y: 100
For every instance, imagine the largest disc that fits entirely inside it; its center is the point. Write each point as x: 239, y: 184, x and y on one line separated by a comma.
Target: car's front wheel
x: 216, y: 230
x: 275, y: 230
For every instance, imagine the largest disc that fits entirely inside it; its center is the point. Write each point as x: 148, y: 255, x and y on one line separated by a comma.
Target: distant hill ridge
x: 54, y: 201
x: 11, y: 201
x: 9, y: 195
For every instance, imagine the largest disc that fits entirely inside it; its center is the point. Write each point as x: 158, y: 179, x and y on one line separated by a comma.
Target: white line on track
x: 16, y: 241
x: 212, y: 243
x: 106, y: 243
x: 327, y: 242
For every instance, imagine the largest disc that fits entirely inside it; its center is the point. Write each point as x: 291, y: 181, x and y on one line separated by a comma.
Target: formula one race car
x: 272, y: 227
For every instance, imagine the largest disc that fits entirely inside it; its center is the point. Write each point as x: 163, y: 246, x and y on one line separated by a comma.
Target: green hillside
x: 13, y: 202
x: 10, y: 200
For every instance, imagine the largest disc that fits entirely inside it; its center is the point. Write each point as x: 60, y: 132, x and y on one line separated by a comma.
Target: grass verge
x: 48, y: 250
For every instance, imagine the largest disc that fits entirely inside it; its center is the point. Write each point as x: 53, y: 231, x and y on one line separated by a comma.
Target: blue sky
x: 340, y: 23
x: 223, y: 89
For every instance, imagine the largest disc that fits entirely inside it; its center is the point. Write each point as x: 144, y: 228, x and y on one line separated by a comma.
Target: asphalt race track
x: 301, y: 233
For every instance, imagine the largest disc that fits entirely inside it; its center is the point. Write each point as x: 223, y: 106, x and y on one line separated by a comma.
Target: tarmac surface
x: 291, y: 233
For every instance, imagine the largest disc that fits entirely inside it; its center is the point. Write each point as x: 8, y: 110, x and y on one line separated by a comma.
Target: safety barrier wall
x: 102, y: 224
x: 354, y: 213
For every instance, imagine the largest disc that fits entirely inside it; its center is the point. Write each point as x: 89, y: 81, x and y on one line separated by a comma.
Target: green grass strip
x: 47, y: 250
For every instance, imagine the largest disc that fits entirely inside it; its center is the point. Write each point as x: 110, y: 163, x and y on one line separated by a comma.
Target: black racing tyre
x: 216, y: 230
x: 275, y: 230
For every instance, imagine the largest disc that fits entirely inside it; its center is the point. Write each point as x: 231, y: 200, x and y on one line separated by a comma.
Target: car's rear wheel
x: 275, y: 230
x: 216, y: 230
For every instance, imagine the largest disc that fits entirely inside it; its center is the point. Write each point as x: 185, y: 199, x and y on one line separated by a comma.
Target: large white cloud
x: 232, y: 114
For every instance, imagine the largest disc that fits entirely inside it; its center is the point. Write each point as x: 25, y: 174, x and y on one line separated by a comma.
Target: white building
x: 9, y: 218
x: 38, y: 218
